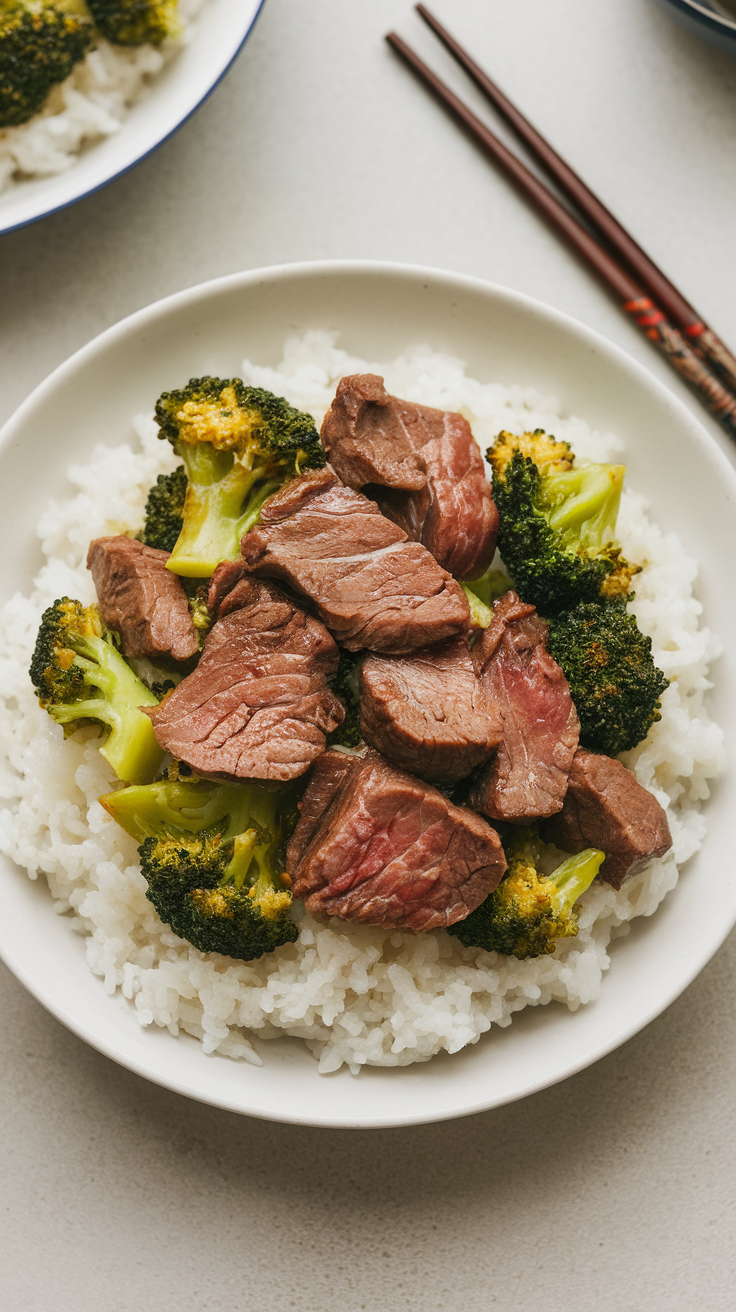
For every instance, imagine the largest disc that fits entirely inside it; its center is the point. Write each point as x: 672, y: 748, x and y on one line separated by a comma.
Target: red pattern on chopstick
x: 645, y: 313
x: 690, y: 366
x: 637, y: 261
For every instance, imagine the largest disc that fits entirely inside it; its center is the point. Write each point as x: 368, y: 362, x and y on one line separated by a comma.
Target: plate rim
x: 130, y: 325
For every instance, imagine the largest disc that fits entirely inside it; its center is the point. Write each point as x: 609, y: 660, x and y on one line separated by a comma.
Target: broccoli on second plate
x: 614, y: 683
x: 528, y: 912
x: 211, y: 855
x: 238, y: 445
x: 39, y: 46
x: 557, y: 533
x: 135, y: 22
x: 80, y: 677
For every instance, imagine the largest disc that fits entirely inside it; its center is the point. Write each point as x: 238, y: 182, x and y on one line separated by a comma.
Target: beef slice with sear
x: 230, y: 587
x: 371, y: 587
x: 527, y: 779
x: 606, y: 807
x: 258, y: 705
x: 377, y: 846
x: 141, y: 599
x: 427, y: 712
x: 422, y: 466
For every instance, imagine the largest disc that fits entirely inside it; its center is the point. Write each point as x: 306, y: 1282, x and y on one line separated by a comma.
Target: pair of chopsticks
x: 643, y: 291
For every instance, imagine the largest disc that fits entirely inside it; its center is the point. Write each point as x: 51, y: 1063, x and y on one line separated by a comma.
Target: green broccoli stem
x: 131, y: 747
x: 480, y: 614
x: 217, y: 487
x: 196, y: 807
x: 236, y: 871
x: 481, y: 594
x: 218, y: 508
x: 255, y: 505
x: 575, y: 875
x: 253, y: 864
x: 582, y: 504
x: 267, y: 879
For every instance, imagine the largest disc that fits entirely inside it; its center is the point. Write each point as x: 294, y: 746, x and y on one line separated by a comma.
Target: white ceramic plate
x: 380, y: 309
x: 221, y: 29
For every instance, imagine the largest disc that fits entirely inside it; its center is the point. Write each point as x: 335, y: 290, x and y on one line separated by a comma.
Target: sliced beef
x: 427, y: 712
x: 335, y: 767
x: 377, y: 846
x: 528, y: 777
x: 258, y: 705
x: 607, y: 808
x: 365, y: 438
x: 371, y: 587
x: 422, y: 466
x: 229, y: 588
x: 141, y: 598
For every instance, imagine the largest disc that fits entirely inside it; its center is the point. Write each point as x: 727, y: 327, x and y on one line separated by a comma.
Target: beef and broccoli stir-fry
x: 345, y: 701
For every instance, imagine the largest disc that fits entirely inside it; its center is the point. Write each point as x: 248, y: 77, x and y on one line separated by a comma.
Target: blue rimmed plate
x: 222, y: 28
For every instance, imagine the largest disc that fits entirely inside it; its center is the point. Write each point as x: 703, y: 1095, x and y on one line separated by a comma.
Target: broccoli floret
x: 39, y: 46
x: 165, y: 510
x: 238, y: 444
x: 211, y: 855
x: 135, y: 22
x: 608, y: 664
x: 80, y: 677
x: 530, y: 911
x: 558, y: 522
x: 345, y: 683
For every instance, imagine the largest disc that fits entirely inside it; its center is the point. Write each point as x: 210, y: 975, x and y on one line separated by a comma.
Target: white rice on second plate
x: 91, y: 103
x: 356, y: 995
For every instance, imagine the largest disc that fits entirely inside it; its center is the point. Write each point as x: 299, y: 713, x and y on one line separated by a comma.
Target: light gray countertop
x: 615, y: 1189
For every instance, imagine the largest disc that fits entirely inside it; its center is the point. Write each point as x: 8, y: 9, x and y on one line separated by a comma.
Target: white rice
x: 90, y: 104
x: 356, y: 995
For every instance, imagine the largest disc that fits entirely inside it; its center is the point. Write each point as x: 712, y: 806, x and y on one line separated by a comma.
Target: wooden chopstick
x: 632, y: 299
x: 666, y: 295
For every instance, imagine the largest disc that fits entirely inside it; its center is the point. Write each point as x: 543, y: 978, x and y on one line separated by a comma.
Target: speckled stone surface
x: 615, y: 1189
